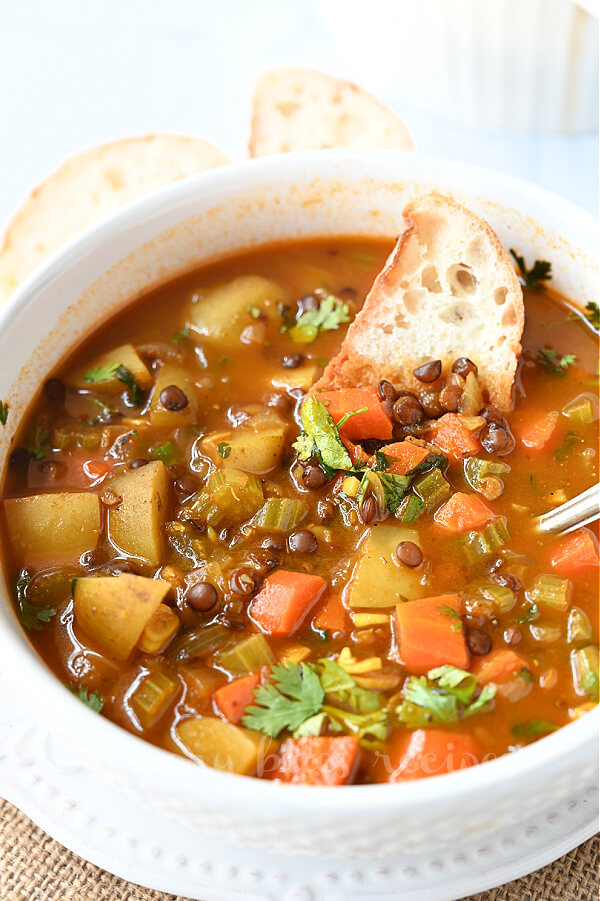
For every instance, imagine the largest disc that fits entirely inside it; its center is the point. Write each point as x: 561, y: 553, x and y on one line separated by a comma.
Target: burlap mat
x: 33, y: 867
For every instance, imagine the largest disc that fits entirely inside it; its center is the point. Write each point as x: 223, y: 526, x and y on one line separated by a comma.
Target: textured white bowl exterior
x: 196, y: 221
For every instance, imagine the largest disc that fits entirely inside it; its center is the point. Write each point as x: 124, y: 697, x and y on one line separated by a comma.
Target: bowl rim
x: 132, y: 751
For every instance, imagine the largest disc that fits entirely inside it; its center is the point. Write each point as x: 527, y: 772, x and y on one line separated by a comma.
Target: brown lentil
x: 428, y: 372
x: 409, y: 553
x: 173, y: 398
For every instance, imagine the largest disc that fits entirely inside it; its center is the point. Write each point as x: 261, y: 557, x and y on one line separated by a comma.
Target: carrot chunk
x: 454, y: 438
x: 431, y: 752
x: 284, y: 600
x: 499, y: 667
x: 430, y: 633
x: 318, y: 761
x: 407, y: 453
x: 463, y: 512
x: 332, y: 617
x: 233, y: 698
x: 374, y: 423
x: 355, y: 452
x: 579, y: 549
x: 536, y: 433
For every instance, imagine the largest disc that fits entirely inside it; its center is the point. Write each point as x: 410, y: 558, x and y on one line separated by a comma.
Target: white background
x: 78, y: 72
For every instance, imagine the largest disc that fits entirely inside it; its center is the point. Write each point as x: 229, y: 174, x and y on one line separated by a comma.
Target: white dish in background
x: 354, y: 829
x: 521, y: 65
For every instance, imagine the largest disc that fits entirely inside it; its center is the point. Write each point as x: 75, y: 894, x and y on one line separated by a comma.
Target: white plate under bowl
x: 158, y: 819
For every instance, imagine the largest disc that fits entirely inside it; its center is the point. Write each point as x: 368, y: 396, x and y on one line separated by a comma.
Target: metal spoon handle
x: 577, y: 512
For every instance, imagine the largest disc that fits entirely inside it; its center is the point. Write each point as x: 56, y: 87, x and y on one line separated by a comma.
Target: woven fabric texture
x: 33, y: 867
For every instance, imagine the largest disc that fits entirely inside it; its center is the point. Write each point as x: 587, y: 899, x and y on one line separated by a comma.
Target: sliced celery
x: 152, y: 697
x: 280, y: 514
x: 581, y: 409
x: 478, y: 545
x: 203, y: 507
x: 236, y: 494
x: 584, y: 664
x: 501, y: 596
x: 432, y: 487
x: 550, y: 590
x: 190, y: 546
x: 579, y: 627
x: 73, y: 436
x: 545, y: 634
x: 482, y: 475
x: 200, y: 641
x: 247, y: 655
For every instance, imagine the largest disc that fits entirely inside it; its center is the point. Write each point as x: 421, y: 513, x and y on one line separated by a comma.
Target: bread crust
x: 90, y: 185
x: 386, y: 339
x: 295, y: 108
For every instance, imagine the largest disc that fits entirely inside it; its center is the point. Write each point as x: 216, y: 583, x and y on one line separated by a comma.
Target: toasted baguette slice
x: 448, y: 290
x: 91, y: 185
x: 300, y: 109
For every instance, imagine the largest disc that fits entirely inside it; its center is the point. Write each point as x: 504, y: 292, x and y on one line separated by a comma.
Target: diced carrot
x: 430, y: 633
x: 499, y: 666
x: 454, y: 438
x: 96, y: 469
x: 579, y: 549
x: 374, y: 423
x: 284, y: 600
x: 407, y: 453
x: 332, y: 617
x: 233, y: 698
x: 430, y: 752
x: 463, y: 512
x: 318, y: 761
x: 536, y: 433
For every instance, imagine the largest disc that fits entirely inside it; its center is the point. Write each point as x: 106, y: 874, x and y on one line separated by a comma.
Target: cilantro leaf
x: 115, y: 370
x: 94, y: 701
x: 180, y: 335
x: 445, y: 695
x: 32, y: 617
x: 553, y: 363
x: 592, y: 315
x: 223, y: 449
x: 320, y: 435
x: 3, y: 412
x: 294, y: 694
x: 590, y: 685
x: 38, y: 445
x: 312, y: 726
x: 327, y: 316
x: 413, y: 508
x: 255, y: 312
x: 369, y: 728
x: 340, y: 685
x: 540, y: 271
x: 383, y: 461
x: 165, y: 452
x: 571, y: 438
x: 533, y: 727
x: 531, y: 614
x: 394, y: 488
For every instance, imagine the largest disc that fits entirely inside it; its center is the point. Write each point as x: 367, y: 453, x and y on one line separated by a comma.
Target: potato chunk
x: 214, y: 311
x: 378, y: 578
x: 126, y: 355
x: 160, y: 415
x: 53, y: 526
x: 114, y: 610
x: 135, y: 525
x: 224, y: 746
x: 257, y: 446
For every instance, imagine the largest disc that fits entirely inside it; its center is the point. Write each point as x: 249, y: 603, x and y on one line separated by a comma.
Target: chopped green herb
x: 165, y: 452
x: 525, y: 675
x: 255, y: 312
x: 413, y: 508
x: 38, y: 446
x: 540, y: 271
x: 223, y: 361
x: 106, y: 412
x: 533, y: 727
x: 592, y: 315
x: 395, y: 488
x: 32, y: 617
x: 340, y: 425
x: 292, y: 696
x: 180, y: 335
x: 445, y: 695
x: 554, y: 363
x: 531, y: 614
x: 329, y: 315
x: 322, y: 361
x: 570, y: 440
x: 94, y: 701
x: 451, y: 613
x: 116, y: 370
x: 3, y: 412
x: 590, y: 685
x: 320, y: 436
x: 223, y: 449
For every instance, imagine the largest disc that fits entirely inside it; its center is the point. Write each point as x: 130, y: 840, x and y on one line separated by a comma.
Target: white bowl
x: 180, y: 227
